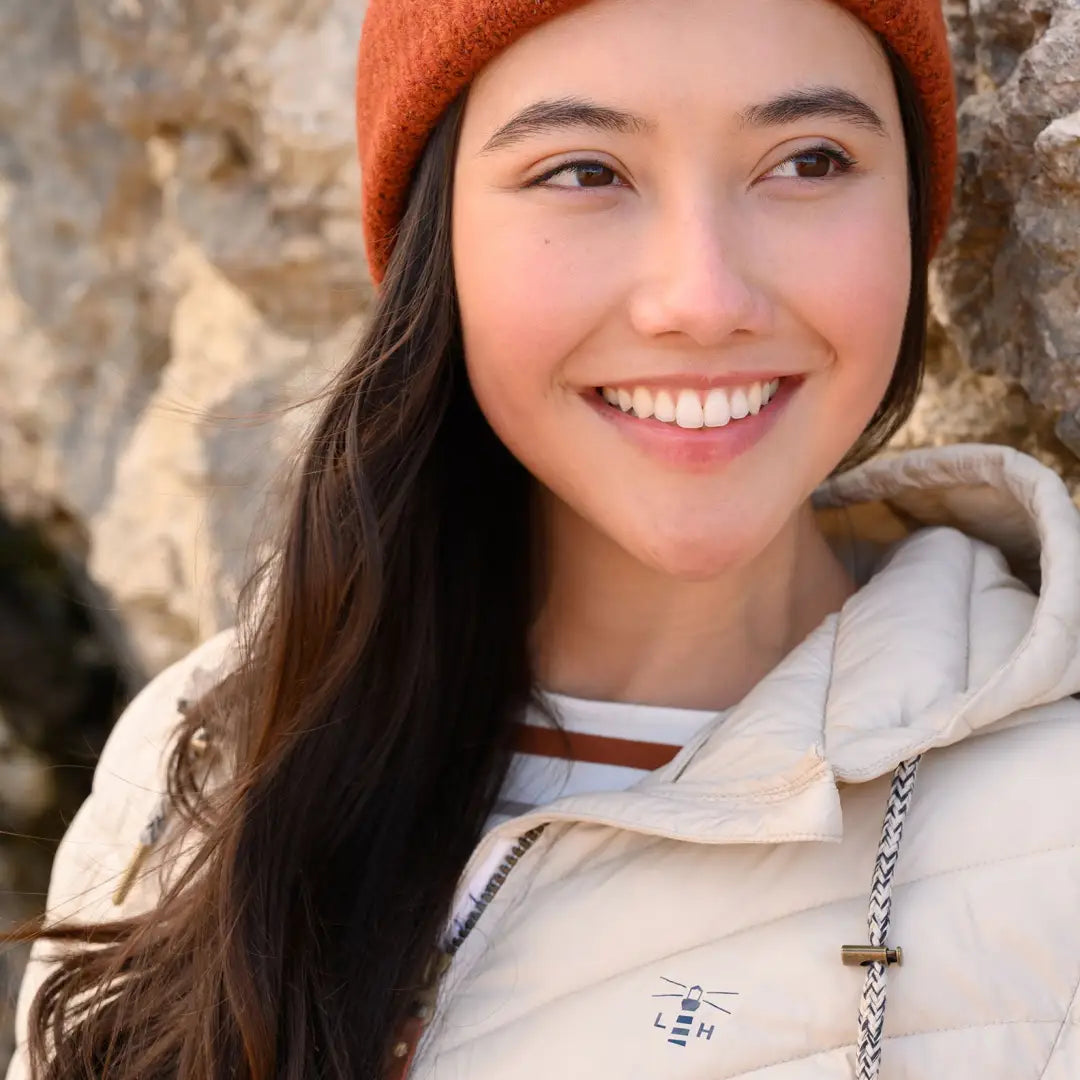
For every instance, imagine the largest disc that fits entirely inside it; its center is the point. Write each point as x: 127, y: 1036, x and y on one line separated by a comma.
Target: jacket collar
x: 970, y: 618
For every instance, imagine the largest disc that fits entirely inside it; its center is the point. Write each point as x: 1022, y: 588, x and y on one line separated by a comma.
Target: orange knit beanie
x: 416, y: 56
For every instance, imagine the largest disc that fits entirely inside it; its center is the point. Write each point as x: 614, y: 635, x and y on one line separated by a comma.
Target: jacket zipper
x: 404, y: 1050
x: 491, y: 890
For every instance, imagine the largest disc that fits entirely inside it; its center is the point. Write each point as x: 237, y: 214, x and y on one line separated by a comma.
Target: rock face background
x: 180, y: 254
x: 1006, y: 284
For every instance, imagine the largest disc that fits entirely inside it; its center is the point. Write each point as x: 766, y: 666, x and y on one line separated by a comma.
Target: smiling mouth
x: 689, y: 408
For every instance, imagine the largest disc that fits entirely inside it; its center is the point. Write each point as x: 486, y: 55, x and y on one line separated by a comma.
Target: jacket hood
x: 970, y: 620
x: 967, y: 619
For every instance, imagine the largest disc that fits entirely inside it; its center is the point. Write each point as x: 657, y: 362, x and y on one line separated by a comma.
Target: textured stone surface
x: 180, y: 250
x: 1007, y: 280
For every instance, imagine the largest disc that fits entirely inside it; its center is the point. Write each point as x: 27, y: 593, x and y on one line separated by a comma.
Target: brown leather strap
x: 599, y: 749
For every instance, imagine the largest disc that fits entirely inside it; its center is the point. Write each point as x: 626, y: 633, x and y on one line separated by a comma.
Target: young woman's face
x: 693, y: 199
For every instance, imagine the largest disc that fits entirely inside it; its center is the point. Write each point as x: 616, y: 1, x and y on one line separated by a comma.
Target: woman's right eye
x: 591, y: 174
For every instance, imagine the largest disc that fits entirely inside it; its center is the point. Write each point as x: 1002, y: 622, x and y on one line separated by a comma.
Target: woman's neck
x: 614, y: 629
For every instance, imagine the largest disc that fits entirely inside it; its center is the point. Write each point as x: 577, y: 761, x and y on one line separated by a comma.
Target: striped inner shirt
x: 609, y: 746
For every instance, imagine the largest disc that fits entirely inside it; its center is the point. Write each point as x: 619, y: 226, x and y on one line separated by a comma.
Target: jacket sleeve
x: 99, y: 843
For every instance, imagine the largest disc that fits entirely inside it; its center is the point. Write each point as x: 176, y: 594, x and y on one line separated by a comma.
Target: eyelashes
x: 840, y: 161
x: 843, y: 161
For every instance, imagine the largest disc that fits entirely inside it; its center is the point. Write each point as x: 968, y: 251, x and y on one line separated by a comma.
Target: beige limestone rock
x: 1006, y: 283
x: 180, y: 250
x: 211, y: 446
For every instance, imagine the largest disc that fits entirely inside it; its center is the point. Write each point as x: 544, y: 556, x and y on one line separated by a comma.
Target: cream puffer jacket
x: 691, y: 928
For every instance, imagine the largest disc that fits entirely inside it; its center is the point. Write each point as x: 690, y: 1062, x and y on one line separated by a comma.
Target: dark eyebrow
x: 813, y: 101
x: 550, y: 114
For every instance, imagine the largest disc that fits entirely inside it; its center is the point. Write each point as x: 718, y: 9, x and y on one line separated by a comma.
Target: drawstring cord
x: 878, y: 956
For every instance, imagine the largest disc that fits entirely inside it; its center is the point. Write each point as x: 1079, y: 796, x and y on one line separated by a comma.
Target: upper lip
x: 698, y: 381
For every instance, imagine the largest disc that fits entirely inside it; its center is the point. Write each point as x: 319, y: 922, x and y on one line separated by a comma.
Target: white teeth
x: 689, y: 408
x: 643, y: 403
x: 664, y: 408
x: 717, y: 408
x: 688, y: 412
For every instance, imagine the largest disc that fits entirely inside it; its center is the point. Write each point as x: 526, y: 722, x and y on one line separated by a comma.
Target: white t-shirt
x: 536, y: 779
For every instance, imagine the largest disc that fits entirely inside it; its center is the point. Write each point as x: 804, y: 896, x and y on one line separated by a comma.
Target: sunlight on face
x: 650, y: 231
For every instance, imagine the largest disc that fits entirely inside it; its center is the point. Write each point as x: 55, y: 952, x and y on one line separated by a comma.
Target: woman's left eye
x: 815, y: 163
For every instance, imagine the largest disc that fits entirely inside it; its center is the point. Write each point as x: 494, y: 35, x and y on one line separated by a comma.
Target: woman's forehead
x: 658, y: 59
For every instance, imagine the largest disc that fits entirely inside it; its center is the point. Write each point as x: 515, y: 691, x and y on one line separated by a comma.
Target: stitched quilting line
x: 826, y: 701
x: 1065, y: 1021
x: 685, y: 838
x: 970, y: 618
x: 676, y: 954
x: 814, y: 773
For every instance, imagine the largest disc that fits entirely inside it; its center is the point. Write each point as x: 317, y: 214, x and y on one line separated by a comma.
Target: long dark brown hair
x: 382, y: 664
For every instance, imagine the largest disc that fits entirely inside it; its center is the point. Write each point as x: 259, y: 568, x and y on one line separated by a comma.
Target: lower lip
x: 697, y: 448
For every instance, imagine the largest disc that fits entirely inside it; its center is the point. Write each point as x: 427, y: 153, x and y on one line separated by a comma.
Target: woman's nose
x: 696, y: 278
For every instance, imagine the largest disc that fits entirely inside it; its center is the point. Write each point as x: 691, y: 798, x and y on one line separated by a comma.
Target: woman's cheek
x: 543, y: 266
x: 507, y: 358
x: 875, y: 314
x: 854, y: 299
x: 529, y: 298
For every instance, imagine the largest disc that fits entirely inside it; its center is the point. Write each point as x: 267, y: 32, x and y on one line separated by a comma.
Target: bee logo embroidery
x: 692, y: 998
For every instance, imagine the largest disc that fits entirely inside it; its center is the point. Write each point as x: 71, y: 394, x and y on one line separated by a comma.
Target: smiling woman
x: 700, y: 264
x: 574, y: 727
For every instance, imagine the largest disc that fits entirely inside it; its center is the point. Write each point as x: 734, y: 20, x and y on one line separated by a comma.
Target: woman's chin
x: 692, y: 558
